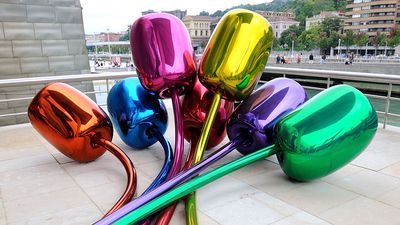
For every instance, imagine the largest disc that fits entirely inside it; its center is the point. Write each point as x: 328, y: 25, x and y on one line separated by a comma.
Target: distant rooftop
x: 202, y: 18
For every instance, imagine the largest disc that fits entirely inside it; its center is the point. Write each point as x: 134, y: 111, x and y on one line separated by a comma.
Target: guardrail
x: 330, y: 76
x: 23, y: 82
x: 294, y: 73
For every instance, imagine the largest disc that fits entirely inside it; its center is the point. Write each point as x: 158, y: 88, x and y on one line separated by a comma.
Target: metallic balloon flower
x: 163, y: 54
x: 78, y: 128
x: 236, y: 54
x: 136, y: 113
x: 326, y: 133
x: 231, y: 66
x: 196, y: 105
x: 165, y: 63
x: 256, y: 116
x: 69, y: 120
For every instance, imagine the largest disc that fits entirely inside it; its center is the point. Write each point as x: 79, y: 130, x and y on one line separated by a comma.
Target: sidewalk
x: 39, y: 185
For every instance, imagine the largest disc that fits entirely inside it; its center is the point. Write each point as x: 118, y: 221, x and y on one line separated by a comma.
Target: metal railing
x: 331, y: 76
x: 298, y: 74
x: 23, y: 82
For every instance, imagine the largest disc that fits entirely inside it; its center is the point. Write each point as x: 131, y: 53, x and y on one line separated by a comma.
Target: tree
x: 290, y: 35
x: 218, y: 13
x: 309, y: 39
x: 394, y: 38
x: 378, y: 40
x: 330, y: 25
x: 361, y: 39
x: 204, y: 13
x: 125, y: 37
x: 348, y: 39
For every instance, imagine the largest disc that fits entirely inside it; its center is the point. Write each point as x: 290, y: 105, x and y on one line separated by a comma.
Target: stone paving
x: 39, y: 185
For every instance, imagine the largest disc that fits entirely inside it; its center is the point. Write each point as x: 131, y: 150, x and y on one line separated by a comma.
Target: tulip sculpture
x: 307, y: 146
x: 78, y: 128
x: 311, y: 139
x: 231, y: 66
x: 164, y: 61
x: 140, y: 119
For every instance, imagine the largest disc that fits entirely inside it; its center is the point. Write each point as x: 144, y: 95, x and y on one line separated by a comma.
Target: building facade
x: 281, y: 24
x: 280, y: 21
x: 199, y: 28
x: 272, y: 14
x: 317, y: 19
x: 371, y: 16
x: 39, y: 38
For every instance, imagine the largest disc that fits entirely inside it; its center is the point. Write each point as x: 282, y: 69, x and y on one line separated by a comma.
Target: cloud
x: 100, y: 15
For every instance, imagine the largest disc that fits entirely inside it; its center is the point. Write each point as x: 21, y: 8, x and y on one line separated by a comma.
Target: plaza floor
x: 39, y: 185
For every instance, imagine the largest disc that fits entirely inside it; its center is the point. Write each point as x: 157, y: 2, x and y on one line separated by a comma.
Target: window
x: 276, y: 26
x: 276, y: 34
x: 201, y: 33
x: 207, y: 33
x: 195, y: 33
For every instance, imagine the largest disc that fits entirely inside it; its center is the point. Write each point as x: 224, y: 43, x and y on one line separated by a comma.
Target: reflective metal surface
x: 79, y: 129
x: 69, y: 120
x: 236, y: 54
x: 196, y: 105
x: 163, y: 54
x: 325, y: 133
x: 256, y: 116
x: 307, y: 146
x: 135, y: 112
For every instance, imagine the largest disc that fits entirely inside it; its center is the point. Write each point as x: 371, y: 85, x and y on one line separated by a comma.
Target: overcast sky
x: 100, y: 15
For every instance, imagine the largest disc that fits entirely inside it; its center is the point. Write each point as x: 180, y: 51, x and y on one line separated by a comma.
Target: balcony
x: 39, y: 185
x: 373, y: 2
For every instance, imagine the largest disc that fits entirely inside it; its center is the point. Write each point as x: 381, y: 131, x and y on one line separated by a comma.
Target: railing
x: 331, y: 76
x: 298, y: 74
x: 23, y: 82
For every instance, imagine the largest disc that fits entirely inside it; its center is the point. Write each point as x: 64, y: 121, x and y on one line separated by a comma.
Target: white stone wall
x: 39, y: 38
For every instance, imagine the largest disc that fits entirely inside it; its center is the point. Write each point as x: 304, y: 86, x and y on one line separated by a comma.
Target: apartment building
x: 372, y: 16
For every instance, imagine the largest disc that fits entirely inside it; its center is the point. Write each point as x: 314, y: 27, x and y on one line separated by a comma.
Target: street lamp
x: 129, y: 38
x: 109, y: 46
x: 385, y: 47
x: 292, y: 47
x: 339, y: 50
x: 95, y: 46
